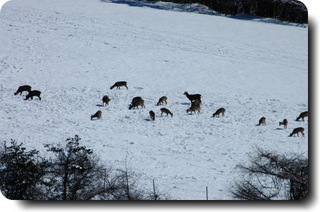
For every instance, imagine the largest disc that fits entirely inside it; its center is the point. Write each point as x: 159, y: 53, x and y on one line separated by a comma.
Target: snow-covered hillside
x: 74, y: 50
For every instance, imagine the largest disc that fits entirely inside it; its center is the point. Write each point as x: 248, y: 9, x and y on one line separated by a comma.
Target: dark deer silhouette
x: 284, y: 123
x: 193, y: 97
x: 97, y: 115
x: 162, y: 100
x: 119, y: 84
x: 152, y: 115
x: 218, y: 112
x: 262, y: 121
x: 105, y: 100
x: 296, y: 131
x: 23, y: 88
x: 136, y: 102
x: 33, y: 93
x: 302, y: 116
x: 166, y: 111
x: 195, y: 106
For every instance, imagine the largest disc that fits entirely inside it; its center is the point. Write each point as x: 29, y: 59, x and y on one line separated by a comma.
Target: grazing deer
x: 218, y: 112
x: 152, y: 115
x: 284, y: 123
x: 119, y: 84
x: 195, y: 106
x: 297, y: 131
x: 262, y: 121
x: 105, y: 100
x: 97, y: 115
x: 166, y: 111
x: 136, y: 99
x: 33, y: 93
x: 23, y: 88
x: 193, y: 97
x: 162, y: 100
x: 302, y: 116
x: 136, y: 102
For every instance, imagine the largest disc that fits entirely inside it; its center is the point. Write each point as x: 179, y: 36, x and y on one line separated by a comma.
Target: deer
x: 136, y: 99
x: 262, y: 121
x: 166, y: 111
x: 97, y: 115
x: 105, y: 100
x: 152, y: 115
x: 297, y: 131
x: 136, y: 102
x: 33, y: 93
x: 162, y: 100
x: 218, y: 112
x: 284, y: 123
x: 23, y: 88
x: 302, y: 116
x: 193, y: 97
x: 195, y: 106
x: 119, y: 84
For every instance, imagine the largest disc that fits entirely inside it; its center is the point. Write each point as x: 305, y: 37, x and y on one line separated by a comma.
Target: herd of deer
x: 195, y: 100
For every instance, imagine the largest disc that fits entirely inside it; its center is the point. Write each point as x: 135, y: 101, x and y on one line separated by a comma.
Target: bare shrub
x: 272, y: 176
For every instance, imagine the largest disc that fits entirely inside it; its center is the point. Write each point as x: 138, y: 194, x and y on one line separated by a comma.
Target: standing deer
x: 302, y: 116
x: 162, y: 100
x: 166, y: 111
x: 119, y: 84
x: 97, y: 115
x: 297, y: 131
x: 105, y: 100
x: 262, y: 121
x: 218, y: 112
x: 195, y: 106
x: 193, y: 97
x: 33, y: 93
x: 284, y: 123
x: 152, y: 115
x: 23, y: 88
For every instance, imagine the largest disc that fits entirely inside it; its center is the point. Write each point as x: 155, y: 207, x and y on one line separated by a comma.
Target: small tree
x: 155, y: 195
x: 21, y: 172
x: 122, y: 185
x: 272, y: 176
x: 75, y: 174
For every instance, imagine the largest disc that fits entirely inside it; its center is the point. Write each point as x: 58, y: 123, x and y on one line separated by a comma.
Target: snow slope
x: 74, y: 50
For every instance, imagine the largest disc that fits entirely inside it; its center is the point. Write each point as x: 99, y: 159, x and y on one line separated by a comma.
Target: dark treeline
x: 284, y: 10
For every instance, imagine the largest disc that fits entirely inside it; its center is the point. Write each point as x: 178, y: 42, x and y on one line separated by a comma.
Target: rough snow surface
x: 74, y: 50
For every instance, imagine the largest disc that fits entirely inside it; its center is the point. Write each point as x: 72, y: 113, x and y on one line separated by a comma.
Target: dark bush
x: 21, y: 172
x: 272, y: 176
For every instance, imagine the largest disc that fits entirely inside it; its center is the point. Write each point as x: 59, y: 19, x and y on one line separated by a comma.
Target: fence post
x: 207, y: 193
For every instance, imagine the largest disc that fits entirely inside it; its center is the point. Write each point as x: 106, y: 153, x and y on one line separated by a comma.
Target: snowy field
x: 74, y: 50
